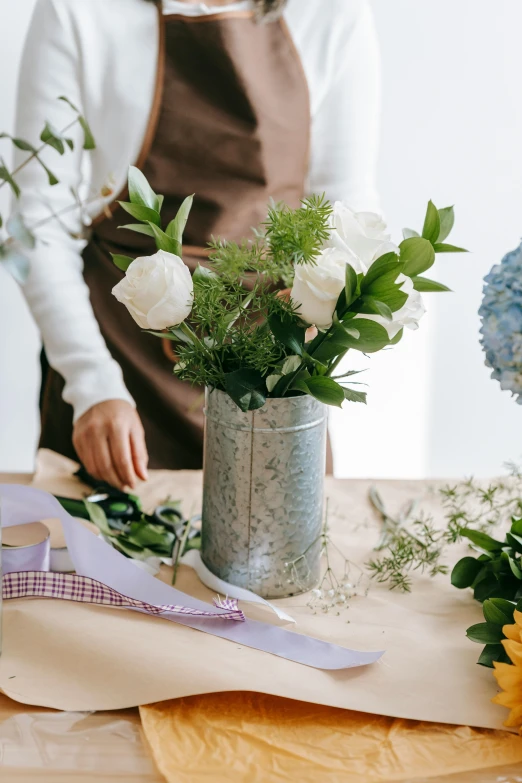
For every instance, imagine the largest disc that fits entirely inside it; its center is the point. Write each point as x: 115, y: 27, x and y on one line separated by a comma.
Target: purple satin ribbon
x: 96, y: 559
x: 34, y: 557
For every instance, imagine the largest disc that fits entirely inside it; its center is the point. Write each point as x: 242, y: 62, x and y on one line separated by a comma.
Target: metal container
x: 263, y: 493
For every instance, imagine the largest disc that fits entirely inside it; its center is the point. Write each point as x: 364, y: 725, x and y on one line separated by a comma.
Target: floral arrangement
x: 346, y: 286
x: 501, y: 314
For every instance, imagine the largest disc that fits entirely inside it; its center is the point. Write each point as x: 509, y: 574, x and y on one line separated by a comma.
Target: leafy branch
x: 20, y: 236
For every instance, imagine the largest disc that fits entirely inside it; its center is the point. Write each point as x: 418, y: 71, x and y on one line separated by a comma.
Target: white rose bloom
x: 408, y: 316
x: 361, y: 234
x: 317, y: 286
x: 156, y: 290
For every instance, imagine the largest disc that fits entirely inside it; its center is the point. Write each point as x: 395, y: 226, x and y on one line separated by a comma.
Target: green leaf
x: 176, y: 227
x: 16, y: 264
x: 515, y: 569
x: 140, y: 192
x: 245, y: 387
x: 140, y: 228
x: 6, y: 177
x: 417, y: 254
x: 386, y: 264
x: 491, y: 653
x: 88, y: 138
x: 485, y: 633
x: 122, y: 262
x: 440, y: 247
x: 164, y: 242
x: 17, y: 229
x: 397, y: 338
x: 203, y: 274
x: 323, y: 389
x: 160, y: 201
x: 465, y: 572
x: 53, y: 180
x: 372, y: 336
x: 447, y: 220
x: 516, y: 526
x: 354, y: 396
x: 408, y: 233
x: 52, y: 137
x: 482, y: 540
x: 486, y: 586
x: 514, y: 541
x: 498, y: 611
x: 425, y: 284
x: 431, y: 228
x: 372, y: 305
x: 98, y: 517
x: 350, y: 287
x: 174, y: 333
x: 138, y: 211
x: 287, y: 332
x: 22, y: 144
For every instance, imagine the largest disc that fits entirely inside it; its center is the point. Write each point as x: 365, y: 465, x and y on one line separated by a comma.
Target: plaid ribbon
x: 73, y: 587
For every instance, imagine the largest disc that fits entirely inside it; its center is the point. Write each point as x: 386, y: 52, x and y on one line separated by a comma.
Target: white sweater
x: 101, y: 54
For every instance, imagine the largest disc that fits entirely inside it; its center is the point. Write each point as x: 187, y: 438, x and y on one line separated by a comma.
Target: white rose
x: 317, y: 287
x: 156, y: 290
x: 408, y: 316
x: 361, y: 234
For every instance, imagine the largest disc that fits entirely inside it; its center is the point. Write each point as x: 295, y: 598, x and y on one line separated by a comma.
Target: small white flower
x: 156, y: 290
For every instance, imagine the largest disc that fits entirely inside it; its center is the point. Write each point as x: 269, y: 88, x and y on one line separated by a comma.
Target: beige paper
x: 79, y: 657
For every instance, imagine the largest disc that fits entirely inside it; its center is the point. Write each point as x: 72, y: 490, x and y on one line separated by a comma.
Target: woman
x: 237, y: 102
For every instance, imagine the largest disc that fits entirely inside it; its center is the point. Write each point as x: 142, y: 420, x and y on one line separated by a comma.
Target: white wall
x: 19, y: 346
x: 452, y: 131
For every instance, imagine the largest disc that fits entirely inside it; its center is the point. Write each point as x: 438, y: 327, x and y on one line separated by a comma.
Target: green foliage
x: 296, y: 236
x: 20, y: 236
x: 498, y: 612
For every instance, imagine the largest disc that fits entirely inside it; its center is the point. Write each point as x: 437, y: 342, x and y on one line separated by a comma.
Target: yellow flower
x: 509, y: 676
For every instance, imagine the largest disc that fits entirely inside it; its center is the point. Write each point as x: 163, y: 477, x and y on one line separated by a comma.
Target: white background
x: 452, y: 131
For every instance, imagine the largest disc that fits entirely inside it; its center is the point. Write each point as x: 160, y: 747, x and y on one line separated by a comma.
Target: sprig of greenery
x: 296, y: 236
x: 21, y: 237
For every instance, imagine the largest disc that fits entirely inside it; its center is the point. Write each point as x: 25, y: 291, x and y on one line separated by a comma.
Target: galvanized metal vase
x: 263, y: 493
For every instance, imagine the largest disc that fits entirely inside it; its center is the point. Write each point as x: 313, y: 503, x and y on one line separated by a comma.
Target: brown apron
x: 230, y: 122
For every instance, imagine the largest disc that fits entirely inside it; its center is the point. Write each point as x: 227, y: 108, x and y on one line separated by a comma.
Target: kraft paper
x: 233, y: 737
x: 79, y: 657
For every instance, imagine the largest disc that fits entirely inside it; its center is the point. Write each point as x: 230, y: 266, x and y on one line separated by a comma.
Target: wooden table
x: 42, y: 745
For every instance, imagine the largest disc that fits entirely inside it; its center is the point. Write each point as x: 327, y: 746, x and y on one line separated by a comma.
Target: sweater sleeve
x: 345, y: 125
x: 55, y: 290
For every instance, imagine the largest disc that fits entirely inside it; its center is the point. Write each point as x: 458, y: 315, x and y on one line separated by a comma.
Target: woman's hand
x: 110, y: 443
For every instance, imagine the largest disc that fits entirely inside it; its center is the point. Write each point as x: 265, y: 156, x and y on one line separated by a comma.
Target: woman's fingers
x: 105, y: 468
x: 139, y: 451
x: 120, y: 448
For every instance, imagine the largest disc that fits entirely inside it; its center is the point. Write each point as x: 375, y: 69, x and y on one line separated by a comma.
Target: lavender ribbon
x: 35, y: 557
x: 94, y: 558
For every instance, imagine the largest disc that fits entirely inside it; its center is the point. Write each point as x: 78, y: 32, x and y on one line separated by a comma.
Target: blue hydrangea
x: 501, y: 315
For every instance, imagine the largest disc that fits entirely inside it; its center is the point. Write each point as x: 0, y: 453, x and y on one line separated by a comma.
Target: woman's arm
x: 55, y: 290
x: 345, y: 124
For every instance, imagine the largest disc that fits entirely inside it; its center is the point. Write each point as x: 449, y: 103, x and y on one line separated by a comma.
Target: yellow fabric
x: 509, y: 676
x: 238, y: 737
